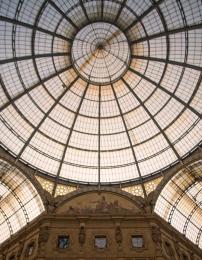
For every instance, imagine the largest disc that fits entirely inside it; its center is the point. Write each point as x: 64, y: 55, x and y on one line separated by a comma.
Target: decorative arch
x: 92, y: 195
x: 20, y: 201
x: 180, y: 202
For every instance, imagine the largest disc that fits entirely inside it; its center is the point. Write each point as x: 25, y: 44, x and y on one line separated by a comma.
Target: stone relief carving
x: 20, y: 250
x: 100, y: 206
x: 44, y: 234
x: 50, y: 203
x: 82, y: 235
x: 177, y: 249
x: 118, y: 235
x: 2, y: 257
x: 156, y: 236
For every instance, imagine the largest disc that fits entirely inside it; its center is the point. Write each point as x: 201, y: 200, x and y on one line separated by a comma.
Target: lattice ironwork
x: 19, y: 201
x: 127, y: 113
x: 180, y: 202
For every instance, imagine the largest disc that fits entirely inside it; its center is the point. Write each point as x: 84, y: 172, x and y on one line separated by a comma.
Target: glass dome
x: 100, y: 91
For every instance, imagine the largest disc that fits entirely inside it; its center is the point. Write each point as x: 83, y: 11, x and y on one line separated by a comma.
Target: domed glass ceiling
x: 100, y: 91
x: 100, y: 53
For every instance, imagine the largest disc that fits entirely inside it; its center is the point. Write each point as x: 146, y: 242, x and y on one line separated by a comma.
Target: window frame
x: 60, y: 236
x: 100, y: 237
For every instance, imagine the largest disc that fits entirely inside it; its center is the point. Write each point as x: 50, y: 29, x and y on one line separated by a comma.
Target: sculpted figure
x: 156, y: 236
x: 118, y: 235
x: 43, y: 236
x: 82, y: 235
x: 51, y: 204
x: 21, y: 246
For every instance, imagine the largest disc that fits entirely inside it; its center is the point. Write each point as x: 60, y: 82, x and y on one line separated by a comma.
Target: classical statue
x: 118, y: 235
x: 44, y: 234
x: 50, y: 203
x: 156, y: 236
x: 82, y: 235
x: 20, y: 250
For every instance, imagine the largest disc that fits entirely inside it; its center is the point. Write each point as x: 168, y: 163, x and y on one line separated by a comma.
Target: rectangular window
x: 63, y: 242
x: 100, y: 242
x: 137, y: 241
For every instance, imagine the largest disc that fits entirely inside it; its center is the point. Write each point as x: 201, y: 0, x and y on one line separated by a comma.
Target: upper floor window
x: 137, y: 241
x: 100, y: 242
x: 63, y: 242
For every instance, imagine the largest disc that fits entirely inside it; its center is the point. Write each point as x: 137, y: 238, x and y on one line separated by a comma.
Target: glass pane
x: 137, y: 241
x: 63, y: 242
x: 101, y: 242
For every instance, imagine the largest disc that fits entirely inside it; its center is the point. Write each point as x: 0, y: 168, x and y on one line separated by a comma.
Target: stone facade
x: 99, y: 225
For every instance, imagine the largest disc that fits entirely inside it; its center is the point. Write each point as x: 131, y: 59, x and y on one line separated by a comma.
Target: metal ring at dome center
x: 100, y: 53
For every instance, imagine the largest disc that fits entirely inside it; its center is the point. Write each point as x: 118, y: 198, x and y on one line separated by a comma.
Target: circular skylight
x: 100, y: 53
x: 100, y: 91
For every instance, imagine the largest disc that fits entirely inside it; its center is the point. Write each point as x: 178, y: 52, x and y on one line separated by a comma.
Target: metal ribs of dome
x: 100, y: 53
x: 126, y: 130
x: 179, y: 202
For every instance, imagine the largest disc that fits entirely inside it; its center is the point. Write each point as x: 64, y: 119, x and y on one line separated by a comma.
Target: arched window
x: 19, y: 200
x: 180, y: 202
